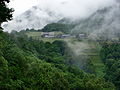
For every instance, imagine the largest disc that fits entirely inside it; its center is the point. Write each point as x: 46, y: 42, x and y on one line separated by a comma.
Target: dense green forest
x: 65, y: 28
x: 110, y: 54
x: 30, y: 64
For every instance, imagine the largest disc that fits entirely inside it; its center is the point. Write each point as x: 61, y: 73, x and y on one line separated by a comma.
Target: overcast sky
x: 22, y: 5
x: 66, y: 7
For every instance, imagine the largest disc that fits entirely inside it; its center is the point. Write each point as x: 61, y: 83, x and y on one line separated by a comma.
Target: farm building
x: 65, y: 36
x: 54, y: 35
x: 81, y: 36
x: 48, y: 34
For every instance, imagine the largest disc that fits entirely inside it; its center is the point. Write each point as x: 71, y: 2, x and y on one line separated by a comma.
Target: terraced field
x: 90, y: 50
x: 96, y: 60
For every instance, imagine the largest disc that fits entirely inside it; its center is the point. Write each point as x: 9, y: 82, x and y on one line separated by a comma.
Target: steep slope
x: 35, y: 65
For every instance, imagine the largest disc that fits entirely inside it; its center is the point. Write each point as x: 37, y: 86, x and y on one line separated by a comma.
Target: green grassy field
x: 33, y: 34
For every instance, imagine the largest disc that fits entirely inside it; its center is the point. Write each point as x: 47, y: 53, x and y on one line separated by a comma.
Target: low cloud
x: 48, y: 11
x: 75, y: 8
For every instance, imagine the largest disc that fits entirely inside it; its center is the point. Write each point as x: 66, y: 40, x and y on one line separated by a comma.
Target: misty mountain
x: 35, y: 18
x: 104, y: 22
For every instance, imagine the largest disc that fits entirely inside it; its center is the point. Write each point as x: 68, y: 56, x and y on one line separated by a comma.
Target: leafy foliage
x: 110, y: 54
x: 5, y: 12
x: 30, y: 64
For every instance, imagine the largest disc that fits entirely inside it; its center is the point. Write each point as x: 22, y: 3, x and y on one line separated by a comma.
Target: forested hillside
x: 110, y: 54
x: 70, y: 63
x: 66, y: 28
x: 30, y: 64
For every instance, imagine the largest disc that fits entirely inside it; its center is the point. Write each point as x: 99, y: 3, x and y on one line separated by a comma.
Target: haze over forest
x: 59, y: 45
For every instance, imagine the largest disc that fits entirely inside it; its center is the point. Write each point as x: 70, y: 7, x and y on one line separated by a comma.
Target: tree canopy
x: 27, y: 64
x: 5, y: 12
